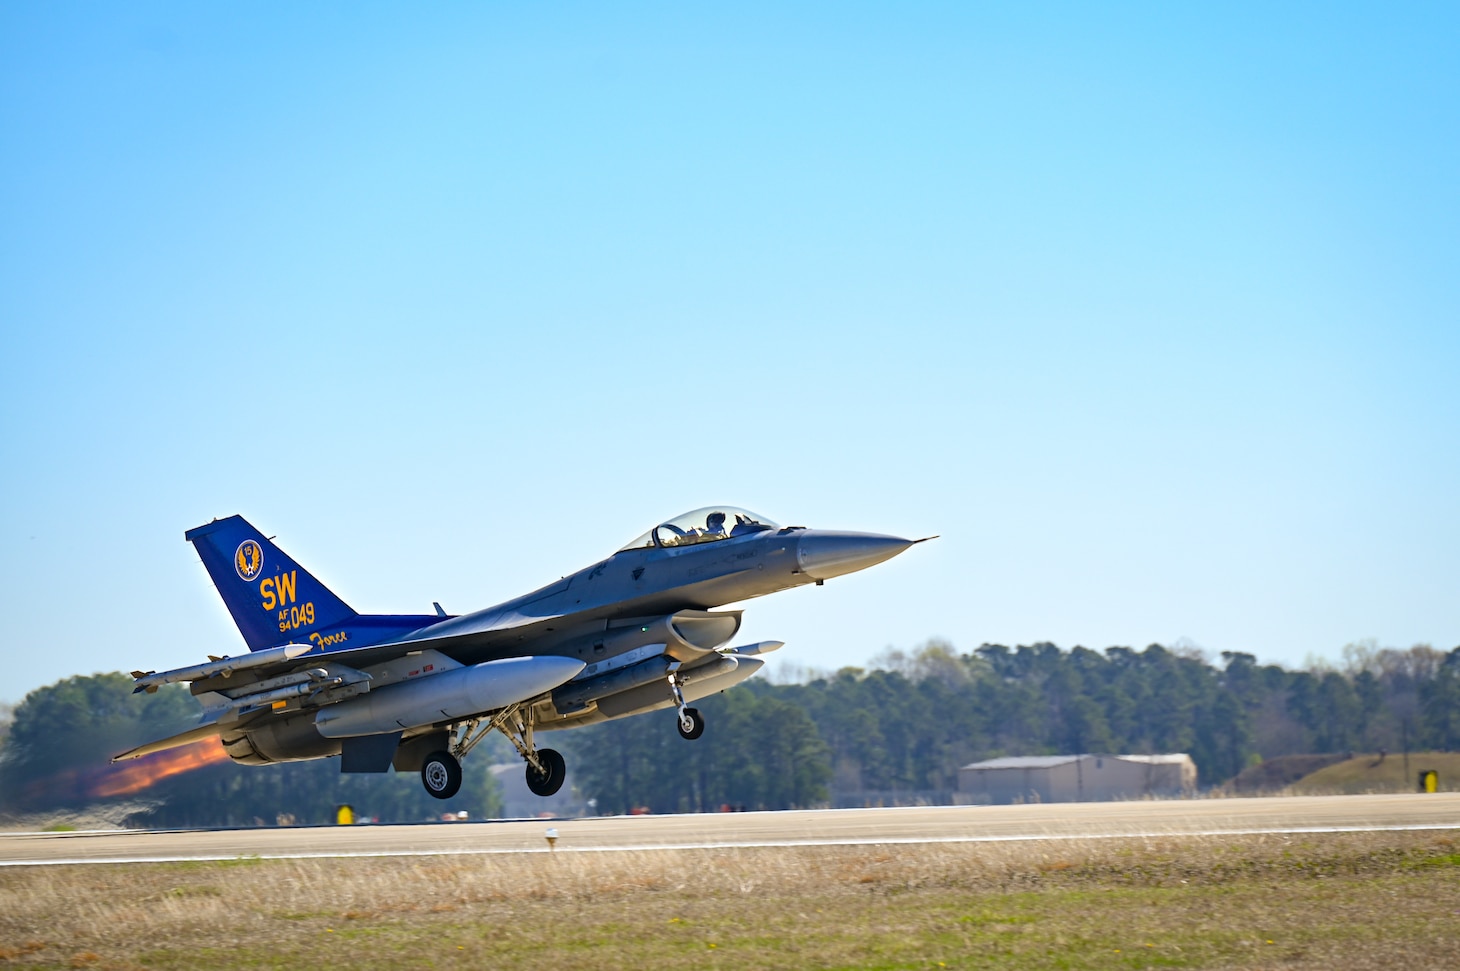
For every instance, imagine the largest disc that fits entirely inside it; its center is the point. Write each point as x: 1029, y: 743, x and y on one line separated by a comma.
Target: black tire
x: 550, y: 779
x: 441, y: 775
x: 697, y: 724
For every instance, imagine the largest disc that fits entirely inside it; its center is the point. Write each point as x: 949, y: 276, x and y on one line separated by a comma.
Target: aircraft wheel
x: 691, y: 724
x: 441, y: 774
x: 550, y: 779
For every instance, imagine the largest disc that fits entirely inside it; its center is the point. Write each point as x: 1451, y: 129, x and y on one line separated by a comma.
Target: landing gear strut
x: 546, y: 769
x: 691, y: 722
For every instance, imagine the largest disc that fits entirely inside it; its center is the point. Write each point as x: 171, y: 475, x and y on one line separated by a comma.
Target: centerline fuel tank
x: 449, y: 696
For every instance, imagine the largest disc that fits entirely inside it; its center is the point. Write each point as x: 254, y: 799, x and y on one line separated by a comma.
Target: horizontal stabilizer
x: 173, y: 741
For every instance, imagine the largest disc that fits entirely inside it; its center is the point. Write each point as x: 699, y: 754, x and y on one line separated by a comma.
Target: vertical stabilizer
x: 273, y: 600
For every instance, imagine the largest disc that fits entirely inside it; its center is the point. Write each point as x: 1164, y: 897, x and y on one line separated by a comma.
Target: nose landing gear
x: 691, y: 722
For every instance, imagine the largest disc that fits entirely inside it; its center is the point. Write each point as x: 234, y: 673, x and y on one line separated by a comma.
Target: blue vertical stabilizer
x: 273, y: 600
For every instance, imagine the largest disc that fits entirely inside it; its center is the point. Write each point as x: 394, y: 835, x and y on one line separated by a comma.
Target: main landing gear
x: 547, y: 776
x: 546, y: 770
x: 441, y: 774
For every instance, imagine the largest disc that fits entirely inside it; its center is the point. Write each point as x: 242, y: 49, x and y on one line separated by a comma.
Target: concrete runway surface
x: 1299, y: 814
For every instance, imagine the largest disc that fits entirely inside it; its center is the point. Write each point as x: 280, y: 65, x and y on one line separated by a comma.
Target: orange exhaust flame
x: 124, y: 780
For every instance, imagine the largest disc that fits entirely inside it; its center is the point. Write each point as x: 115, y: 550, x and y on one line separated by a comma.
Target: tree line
x: 907, y: 723
x: 904, y: 724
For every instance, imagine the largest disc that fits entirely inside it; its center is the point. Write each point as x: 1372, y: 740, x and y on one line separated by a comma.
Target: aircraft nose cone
x: 823, y: 555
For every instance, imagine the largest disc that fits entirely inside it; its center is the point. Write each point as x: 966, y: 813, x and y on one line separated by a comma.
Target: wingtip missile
x: 150, y: 680
x: 760, y: 647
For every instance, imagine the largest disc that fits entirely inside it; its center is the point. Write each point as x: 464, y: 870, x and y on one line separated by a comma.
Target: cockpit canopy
x: 703, y: 526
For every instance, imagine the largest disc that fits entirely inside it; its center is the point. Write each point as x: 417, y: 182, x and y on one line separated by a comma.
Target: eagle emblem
x: 248, y: 560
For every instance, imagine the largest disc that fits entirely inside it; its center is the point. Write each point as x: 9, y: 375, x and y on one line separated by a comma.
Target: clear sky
x: 1150, y: 310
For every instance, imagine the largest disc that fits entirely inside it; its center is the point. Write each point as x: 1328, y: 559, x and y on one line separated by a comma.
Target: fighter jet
x: 632, y: 633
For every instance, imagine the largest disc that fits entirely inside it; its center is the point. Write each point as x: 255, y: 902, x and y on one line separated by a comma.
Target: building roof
x: 1024, y: 762
x: 1050, y: 761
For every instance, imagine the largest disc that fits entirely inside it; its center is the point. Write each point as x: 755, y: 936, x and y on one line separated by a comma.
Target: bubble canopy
x: 703, y: 526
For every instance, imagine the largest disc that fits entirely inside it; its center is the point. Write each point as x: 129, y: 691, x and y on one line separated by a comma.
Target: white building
x: 1076, y: 778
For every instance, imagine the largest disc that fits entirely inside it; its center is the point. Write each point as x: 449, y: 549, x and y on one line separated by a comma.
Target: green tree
x: 7, y: 718
x: 759, y: 750
x: 1439, y: 706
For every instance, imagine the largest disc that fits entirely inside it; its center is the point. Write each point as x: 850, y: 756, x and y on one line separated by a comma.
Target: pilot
x: 715, y: 525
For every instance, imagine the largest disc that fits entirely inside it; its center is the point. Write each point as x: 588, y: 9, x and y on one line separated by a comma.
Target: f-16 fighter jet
x: 632, y: 633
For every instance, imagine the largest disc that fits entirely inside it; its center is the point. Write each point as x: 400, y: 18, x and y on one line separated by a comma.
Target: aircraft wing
x: 276, y: 660
x: 230, y: 688
x: 480, y: 626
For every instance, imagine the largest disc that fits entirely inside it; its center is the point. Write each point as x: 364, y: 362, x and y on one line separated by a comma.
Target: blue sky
x: 1150, y: 312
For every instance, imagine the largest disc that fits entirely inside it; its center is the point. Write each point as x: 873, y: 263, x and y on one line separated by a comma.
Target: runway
x: 940, y: 824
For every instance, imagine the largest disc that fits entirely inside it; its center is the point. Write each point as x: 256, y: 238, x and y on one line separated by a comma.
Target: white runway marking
x: 760, y: 844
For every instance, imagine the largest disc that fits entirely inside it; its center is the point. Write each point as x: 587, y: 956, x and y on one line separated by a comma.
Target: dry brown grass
x: 1331, y: 901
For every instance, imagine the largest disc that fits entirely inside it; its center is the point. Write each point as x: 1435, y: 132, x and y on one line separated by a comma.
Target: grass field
x: 1366, y: 773
x: 1335, y: 901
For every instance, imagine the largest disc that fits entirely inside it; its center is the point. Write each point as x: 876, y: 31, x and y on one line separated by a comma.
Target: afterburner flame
x: 126, y: 779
